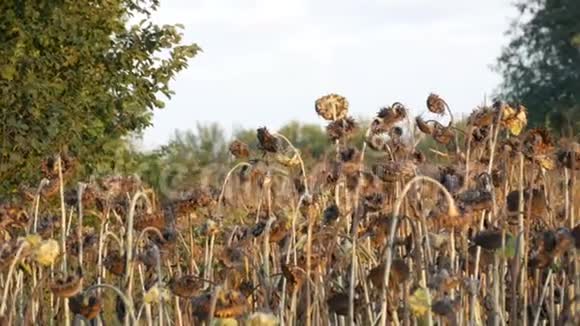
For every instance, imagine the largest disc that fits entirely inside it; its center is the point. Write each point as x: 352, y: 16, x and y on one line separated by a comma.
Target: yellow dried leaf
x: 419, y: 302
x: 156, y: 295
x: 46, y: 252
x: 546, y: 162
x: 224, y: 322
x: 288, y: 161
x: 514, y: 119
x: 33, y: 240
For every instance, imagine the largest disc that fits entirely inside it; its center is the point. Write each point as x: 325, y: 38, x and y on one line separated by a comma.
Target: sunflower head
x: 331, y: 107
x: 267, y: 142
x: 239, y: 149
x: 424, y: 126
x: 388, y: 116
x: 341, y: 128
x: 436, y: 104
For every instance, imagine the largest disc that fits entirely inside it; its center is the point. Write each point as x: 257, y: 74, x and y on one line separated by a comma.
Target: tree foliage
x: 541, y: 64
x: 79, y: 76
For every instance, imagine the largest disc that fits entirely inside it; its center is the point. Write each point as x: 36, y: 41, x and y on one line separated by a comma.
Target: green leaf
x: 7, y: 72
x: 576, y: 40
x: 510, y: 248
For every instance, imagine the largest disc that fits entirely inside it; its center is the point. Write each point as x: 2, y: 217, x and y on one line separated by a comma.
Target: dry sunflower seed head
x: 115, y: 263
x: 338, y: 303
x: 394, y: 170
x: 332, y: 107
x: 229, y: 304
x: 400, y: 273
x: 49, y: 166
x: 341, y: 128
x: 267, y: 142
x: 482, y: 117
x: 569, y: 157
x: 490, y: 240
x: 538, y: 141
x: 538, y: 202
x: 239, y: 149
x: 441, y: 134
x: 349, y: 154
x: 373, y: 202
x: 396, y: 132
x: 425, y: 126
x: 331, y: 213
x: 388, y: 116
x: 67, y: 286
x: 418, y: 157
x: 86, y: 306
x: 377, y: 142
x: 480, y: 134
x: 436, y: 104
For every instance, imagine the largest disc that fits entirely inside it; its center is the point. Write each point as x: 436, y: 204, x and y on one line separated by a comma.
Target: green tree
x: 79, y: 75
x: 190, y: 158
x: 541, y: 65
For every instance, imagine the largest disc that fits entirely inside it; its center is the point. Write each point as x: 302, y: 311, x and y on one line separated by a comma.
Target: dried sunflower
x: 331, y: 213
x: 400, y: 273
x: 86, y: 306
x: 569, y: 156
x: 377, y: 142
x: 9, y: 249
x: 349, y: 154
x: 490, y: 239
x: 477, y: 199
x: 115, y: 263
x: 480, y: 134
x: 231, y: 257
x: 576, y: 235
x: 186, y: 286
x: 267, y: 142
x: 229, y: 304
x: 482, y: 117
x: 425, y: 126
x: 538, y: 202
x: 331, y: 107
x: 436, y: 104
x: 338, y: 303
x: 47, y: 224
x: 446, y: 307
x: 373, y: 202
x: 538, y: 145
x: 443, y: 135
x: 68, y: 286
x: 12, y: 215
x: 239, y: 149
x: 49, y: 166
x: 153, y: 219
x: 388, y: 116
x: 294, y: 275
x: 394, y: 170
x: 341, y: 128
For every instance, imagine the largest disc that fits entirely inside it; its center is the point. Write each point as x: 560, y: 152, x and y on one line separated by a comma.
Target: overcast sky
x: 265, y: 62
